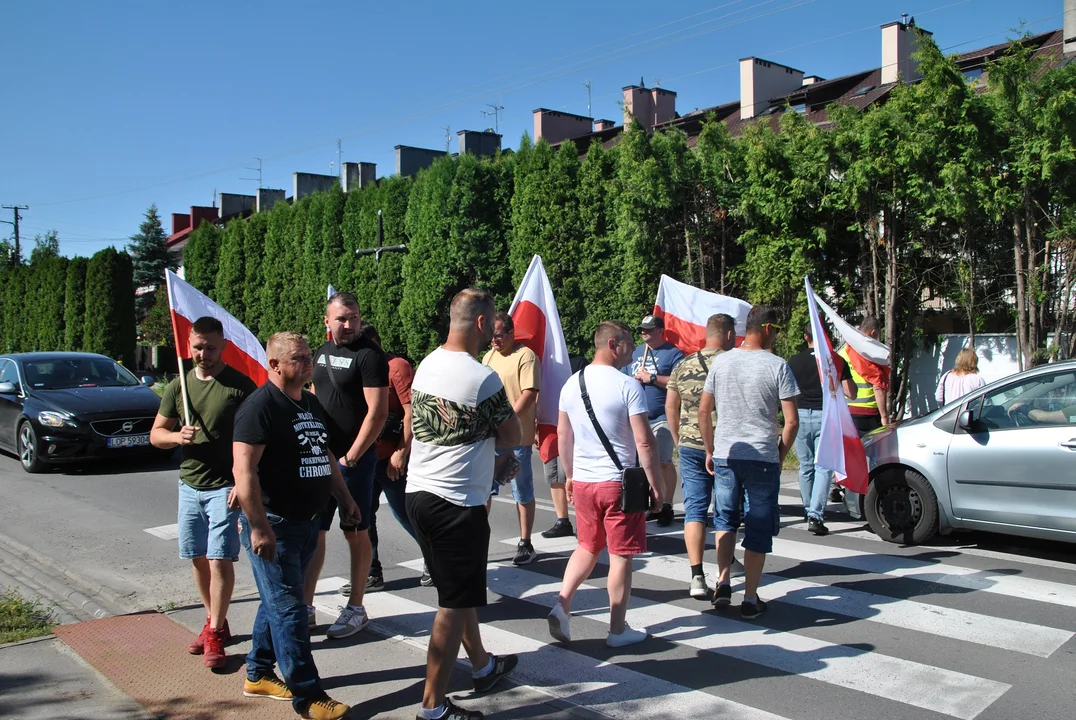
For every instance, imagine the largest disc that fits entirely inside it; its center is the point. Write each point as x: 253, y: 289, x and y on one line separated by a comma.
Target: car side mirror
x: 7, y: 388
x: 966, y: 419
x: 148, y: 380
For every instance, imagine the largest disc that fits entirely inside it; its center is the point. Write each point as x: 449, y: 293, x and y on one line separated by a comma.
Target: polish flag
x: 868, y: 357
x: 839, y: 447
x: 537, y: 322
x: 686, y: 309
x: 328, y: 296
x: 242, y: 350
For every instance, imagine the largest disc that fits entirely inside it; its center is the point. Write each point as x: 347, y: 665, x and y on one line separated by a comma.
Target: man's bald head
x: 469, y: 305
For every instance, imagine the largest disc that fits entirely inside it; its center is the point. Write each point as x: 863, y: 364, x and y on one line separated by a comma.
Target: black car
x: 61, y: 407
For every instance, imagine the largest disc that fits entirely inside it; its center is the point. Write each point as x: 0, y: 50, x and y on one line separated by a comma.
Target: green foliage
x: 45, y: 247
x: 110, y: 323
x: 274, y: 272
x: 231, y: 277
x: 22, y: 619
x: 254, y: 232
x: 201, y: 258
x: 151, y: 257
x: 75, y: 303
x: 47, y: 283
x: 157, y: 327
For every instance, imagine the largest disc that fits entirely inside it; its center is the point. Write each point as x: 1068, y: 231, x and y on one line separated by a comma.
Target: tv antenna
x: 495, y: 113
x: 257, y: 169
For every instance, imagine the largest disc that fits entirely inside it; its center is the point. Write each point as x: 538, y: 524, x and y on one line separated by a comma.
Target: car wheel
x: 901, y: 507
x: 28, y: 449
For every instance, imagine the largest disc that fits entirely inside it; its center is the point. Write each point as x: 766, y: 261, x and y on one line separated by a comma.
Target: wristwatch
x: 653, y: 379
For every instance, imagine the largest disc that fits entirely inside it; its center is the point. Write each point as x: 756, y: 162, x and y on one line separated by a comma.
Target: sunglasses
x: 775, y: 326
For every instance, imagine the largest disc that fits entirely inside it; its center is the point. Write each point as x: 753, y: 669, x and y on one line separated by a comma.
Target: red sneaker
x: 213, y: 654
x: 226, y: 633
x: 197, y: 644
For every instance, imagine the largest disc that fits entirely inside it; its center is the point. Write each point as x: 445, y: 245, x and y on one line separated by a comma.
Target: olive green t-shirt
x: 207, y: 462
x: 688, y: 378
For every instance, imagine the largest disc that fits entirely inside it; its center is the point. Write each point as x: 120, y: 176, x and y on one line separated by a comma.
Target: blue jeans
x: 281, y: 635
x: 698, y: 484
x: 814, y: 481
x: 760, y: 482
x: 523, y: 482
x: 394, y: 490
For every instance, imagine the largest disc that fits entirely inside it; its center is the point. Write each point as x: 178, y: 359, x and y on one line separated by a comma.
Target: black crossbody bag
x: 634, y: 487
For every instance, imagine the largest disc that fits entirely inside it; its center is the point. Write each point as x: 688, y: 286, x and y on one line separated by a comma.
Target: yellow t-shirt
x: 519, y: 371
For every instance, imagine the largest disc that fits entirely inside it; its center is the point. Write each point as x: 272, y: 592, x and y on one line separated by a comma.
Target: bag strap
x: 597, y: 426
x: 332, y: 378
x: 702, y: 361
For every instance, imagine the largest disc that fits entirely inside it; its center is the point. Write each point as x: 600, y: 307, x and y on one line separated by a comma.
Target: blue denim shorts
x: 207, y: 528
x: 523, y: 482
x: 761, y: 483
x: 698, y: 484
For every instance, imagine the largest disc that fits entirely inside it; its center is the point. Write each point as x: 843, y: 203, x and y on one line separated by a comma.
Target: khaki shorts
x: 665, y: 440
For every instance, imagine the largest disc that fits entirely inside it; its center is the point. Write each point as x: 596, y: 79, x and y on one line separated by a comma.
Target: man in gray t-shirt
x: 748, y: 386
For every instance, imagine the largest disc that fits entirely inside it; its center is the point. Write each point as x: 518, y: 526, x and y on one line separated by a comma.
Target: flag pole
x: 179, y: 355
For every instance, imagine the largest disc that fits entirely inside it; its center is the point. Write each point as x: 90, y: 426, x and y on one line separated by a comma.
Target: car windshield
x: 62, y: 373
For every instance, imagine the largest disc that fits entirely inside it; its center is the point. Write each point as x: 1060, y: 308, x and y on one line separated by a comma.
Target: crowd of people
x: 270, y: 469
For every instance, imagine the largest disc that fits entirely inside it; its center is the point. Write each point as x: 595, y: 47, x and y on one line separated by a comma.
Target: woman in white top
x: 961, y: 380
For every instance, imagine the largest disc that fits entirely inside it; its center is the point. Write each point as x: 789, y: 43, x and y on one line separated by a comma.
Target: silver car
x: 1001, y: 459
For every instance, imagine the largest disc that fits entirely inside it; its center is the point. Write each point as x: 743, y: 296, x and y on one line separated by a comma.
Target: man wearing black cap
x: 652, y: 364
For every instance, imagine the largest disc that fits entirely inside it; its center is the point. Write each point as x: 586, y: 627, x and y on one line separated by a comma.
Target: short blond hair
x: 280, y: 343
x: 967, y: 362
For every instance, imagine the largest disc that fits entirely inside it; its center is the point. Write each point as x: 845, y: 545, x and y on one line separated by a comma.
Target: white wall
x: 997, y: 359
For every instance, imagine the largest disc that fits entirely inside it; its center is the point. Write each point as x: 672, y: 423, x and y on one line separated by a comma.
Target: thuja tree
x: 75, y: 303
x: 275, y: 272
x: 231, y: 269
x: 110, y: 322
x: 394, y: 195
x: 254, y: 231
x: 44, y: 314
x: 201, y: 258
x: 312, y: 273
x: 599, y: 263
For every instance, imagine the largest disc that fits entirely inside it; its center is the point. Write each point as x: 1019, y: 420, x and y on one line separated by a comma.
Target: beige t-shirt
x: 519, y: 371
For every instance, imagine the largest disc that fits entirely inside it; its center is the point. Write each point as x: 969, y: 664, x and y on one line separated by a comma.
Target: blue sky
x: 111, y: 106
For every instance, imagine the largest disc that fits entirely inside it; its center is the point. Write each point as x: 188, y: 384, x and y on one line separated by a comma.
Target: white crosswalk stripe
x: 908, y: 614
x: 613, y: 690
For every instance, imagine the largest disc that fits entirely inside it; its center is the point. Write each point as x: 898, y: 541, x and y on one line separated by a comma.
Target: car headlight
x: 50, y: 418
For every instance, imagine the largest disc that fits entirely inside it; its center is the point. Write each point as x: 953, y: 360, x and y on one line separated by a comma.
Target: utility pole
x: 16, y: 257
x: 340, y: 159
x: 587, y: 85
x: 448, y: 138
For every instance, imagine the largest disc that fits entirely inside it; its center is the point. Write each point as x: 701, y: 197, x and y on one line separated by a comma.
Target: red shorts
x: 600, y: 523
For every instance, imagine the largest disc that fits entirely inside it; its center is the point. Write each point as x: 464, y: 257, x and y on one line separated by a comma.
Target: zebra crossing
x: 856, y: 627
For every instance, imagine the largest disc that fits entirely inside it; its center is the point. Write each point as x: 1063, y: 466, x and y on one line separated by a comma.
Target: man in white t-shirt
x: 593, y: 480
x: 459, y: 414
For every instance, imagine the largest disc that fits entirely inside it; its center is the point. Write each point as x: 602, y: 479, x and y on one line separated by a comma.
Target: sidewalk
x: 135, y: 667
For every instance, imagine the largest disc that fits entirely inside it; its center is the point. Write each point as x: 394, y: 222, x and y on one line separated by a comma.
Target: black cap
x: 651, y: 322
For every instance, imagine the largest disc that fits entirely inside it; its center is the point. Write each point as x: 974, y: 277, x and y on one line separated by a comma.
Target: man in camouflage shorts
x: 682, y: 408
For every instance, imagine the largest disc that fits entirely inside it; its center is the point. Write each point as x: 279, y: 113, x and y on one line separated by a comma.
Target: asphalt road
x: 972, y: 626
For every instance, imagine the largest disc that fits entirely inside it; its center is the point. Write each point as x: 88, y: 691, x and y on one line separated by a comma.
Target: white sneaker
x: 628, y: 637
x: 351, y: 621
x: 699, y: 589
x: 311, y: 617
x: 560, y: 623
x: 736, y: 569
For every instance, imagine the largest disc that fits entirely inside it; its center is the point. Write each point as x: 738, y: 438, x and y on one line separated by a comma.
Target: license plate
x: 128, y: 441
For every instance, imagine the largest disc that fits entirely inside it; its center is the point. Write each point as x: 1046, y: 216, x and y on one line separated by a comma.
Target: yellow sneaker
x: 325, y: 709
x: 267, y: 686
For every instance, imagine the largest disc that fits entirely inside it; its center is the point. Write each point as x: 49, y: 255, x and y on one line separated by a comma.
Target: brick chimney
x: 1070, y: 26
x: 180, y: 222
x: 649, y: 106
x: 483, y: 143
x: 899, y: 42
x: 359, y: 175
x: 761, y: 80
x: 556, y: 126
x: 600, y: 125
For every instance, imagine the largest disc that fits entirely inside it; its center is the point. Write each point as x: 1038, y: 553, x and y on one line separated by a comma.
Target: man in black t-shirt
x: 285, y: 471
x: 351, y: 381
x: 814, y: 481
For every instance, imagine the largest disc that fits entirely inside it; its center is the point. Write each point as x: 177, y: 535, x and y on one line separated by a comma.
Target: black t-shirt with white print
x: 294, y: 470
x: 359, y: 364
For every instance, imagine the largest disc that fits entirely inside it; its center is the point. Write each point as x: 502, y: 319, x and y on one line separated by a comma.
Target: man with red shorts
x: 593, y: 479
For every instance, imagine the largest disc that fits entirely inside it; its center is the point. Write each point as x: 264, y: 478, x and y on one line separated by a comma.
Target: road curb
x: 85, y: 599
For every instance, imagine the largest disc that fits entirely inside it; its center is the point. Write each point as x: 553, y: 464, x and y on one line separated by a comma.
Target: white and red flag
x: 329, y: 296
x: 868, y: 357
x: 839, y: 447
x: 242, y: 350
x: 537, y: 322
x: 686, y: 309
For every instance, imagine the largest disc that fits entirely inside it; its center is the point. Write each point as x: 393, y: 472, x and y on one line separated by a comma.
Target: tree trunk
x: 892, y: 295
x: 724, y: 255
x: 1021, y: 296
x: 1034, y: 289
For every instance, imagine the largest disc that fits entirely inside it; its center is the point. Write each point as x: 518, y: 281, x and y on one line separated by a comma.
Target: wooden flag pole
x: 646, y: 354
x: 179, y: 358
